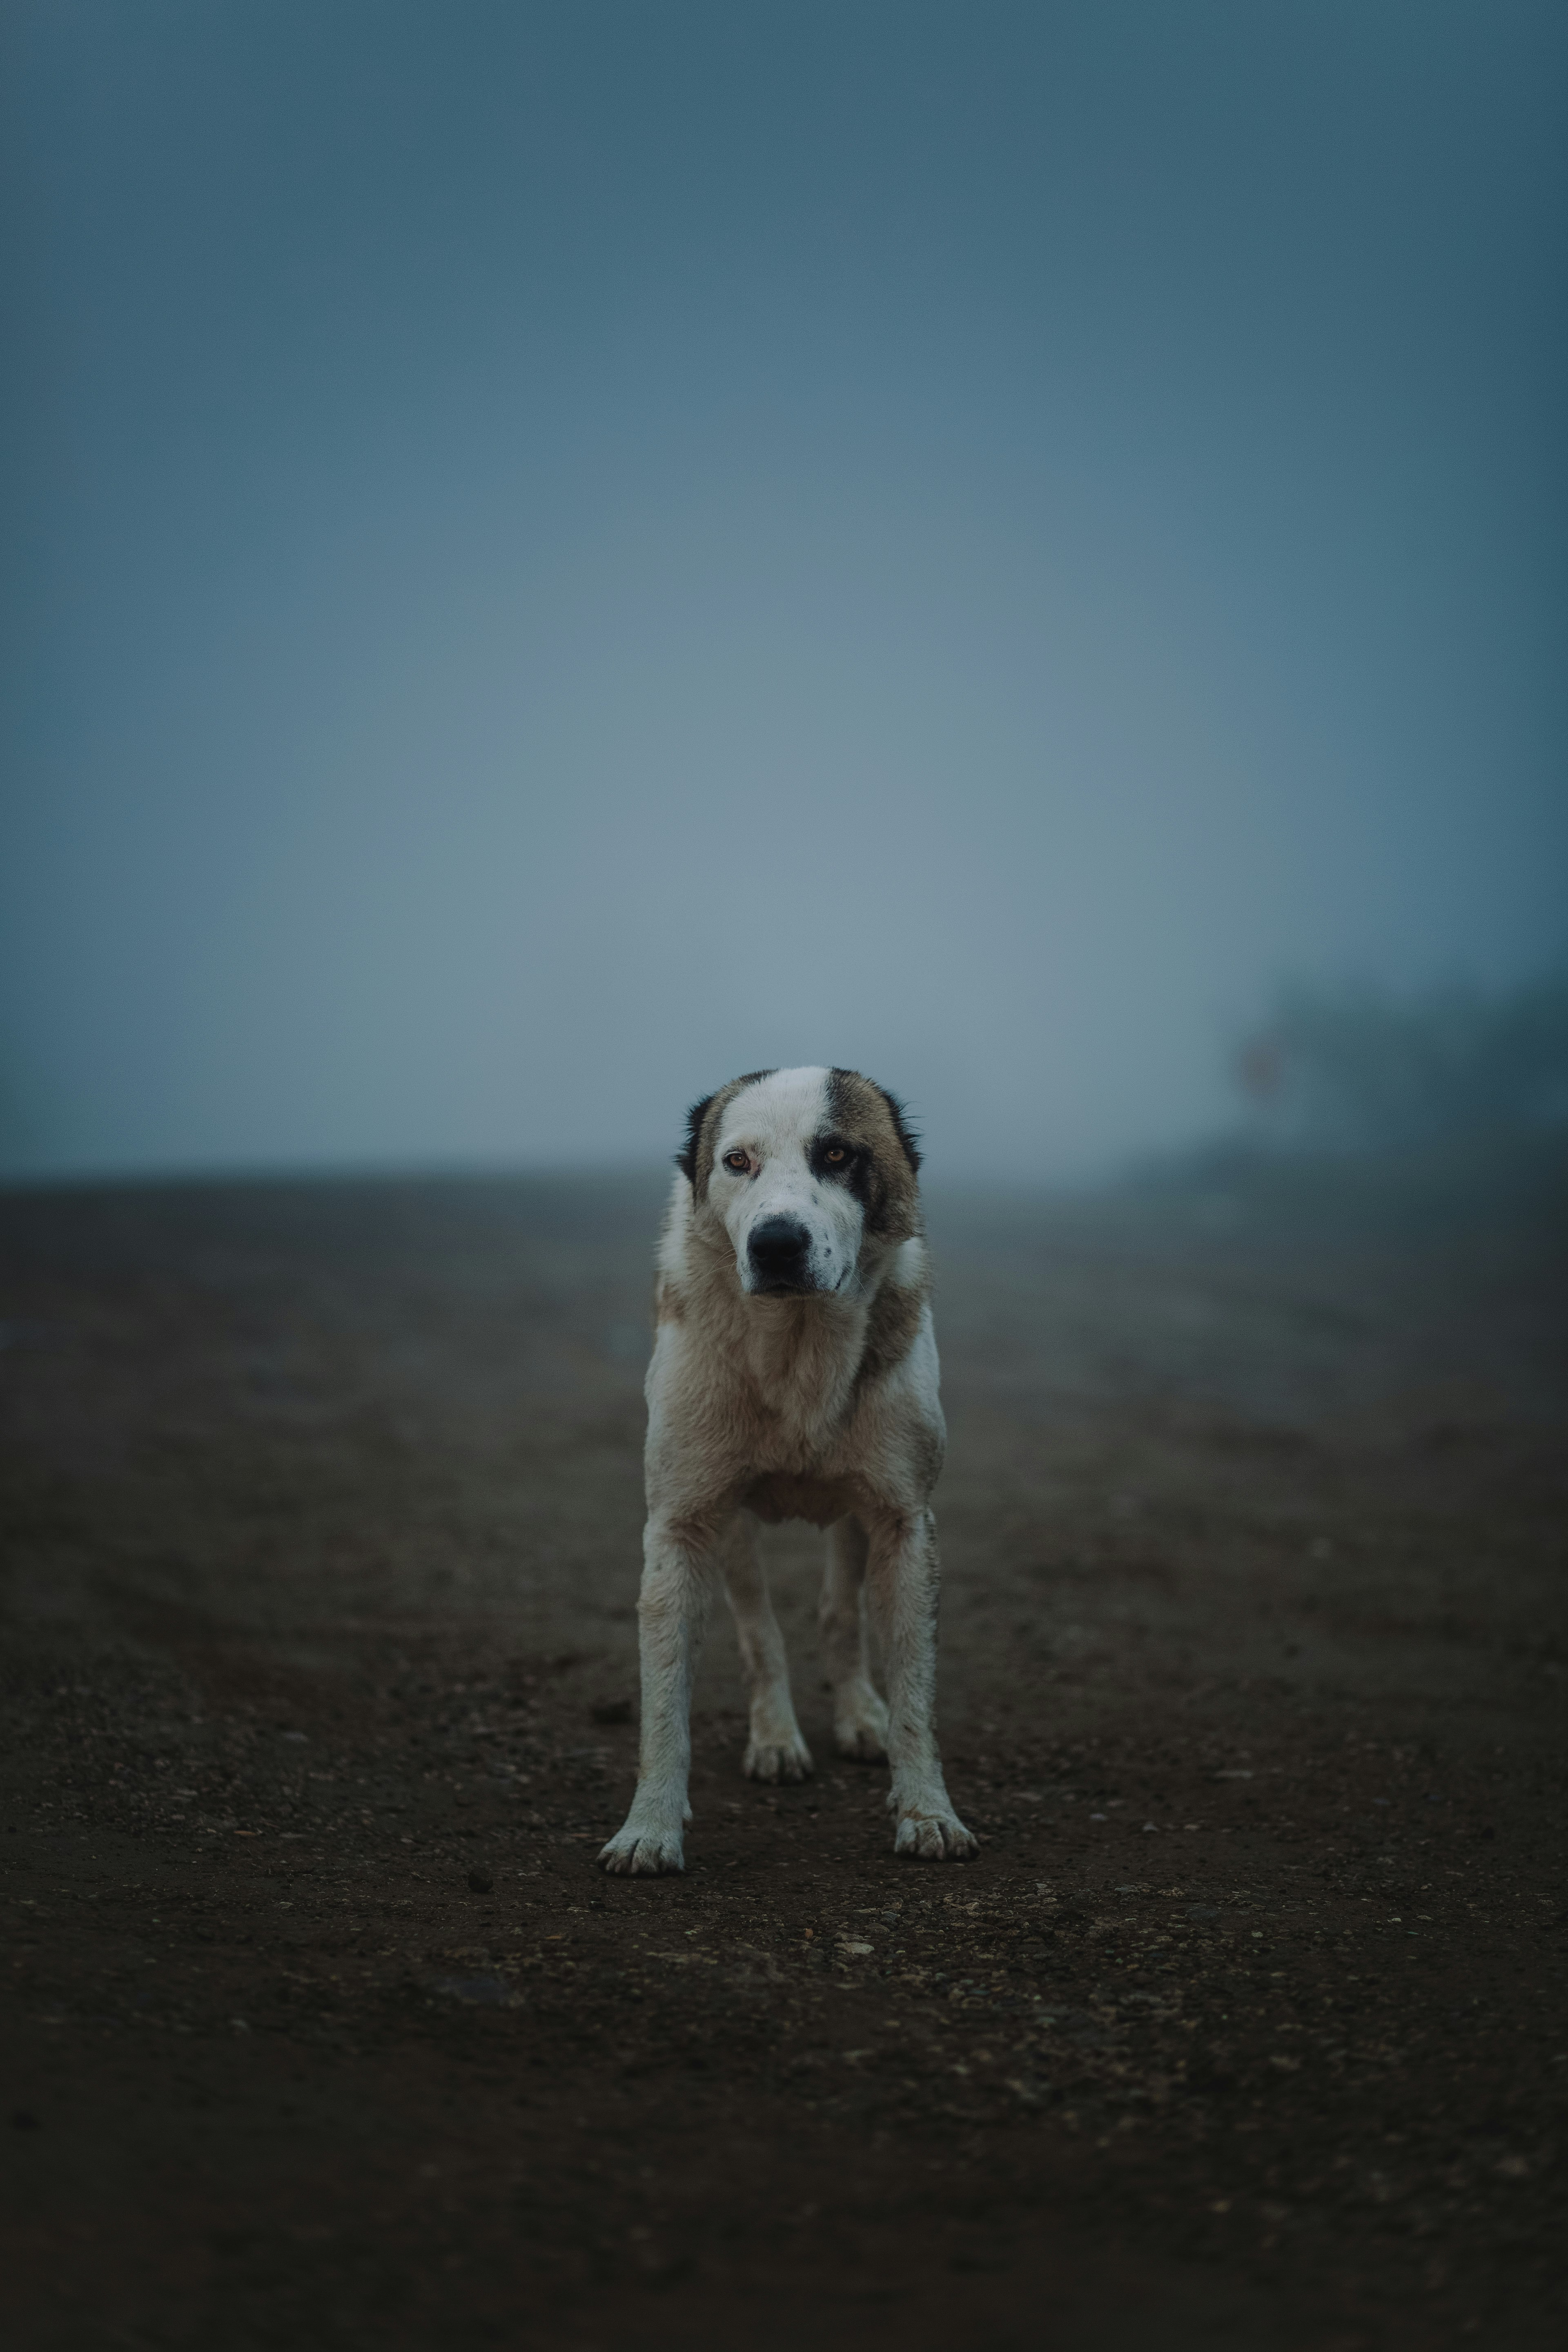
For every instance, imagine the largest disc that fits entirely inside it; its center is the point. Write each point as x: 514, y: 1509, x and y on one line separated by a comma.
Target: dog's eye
x: 836, y: 1155
x: 738, y: 1161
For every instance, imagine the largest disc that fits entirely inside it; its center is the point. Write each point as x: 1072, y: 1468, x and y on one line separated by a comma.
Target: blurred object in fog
x: 1357, y: 1068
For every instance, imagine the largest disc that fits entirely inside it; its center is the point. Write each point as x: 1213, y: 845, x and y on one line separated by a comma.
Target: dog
x: 793, y: 1377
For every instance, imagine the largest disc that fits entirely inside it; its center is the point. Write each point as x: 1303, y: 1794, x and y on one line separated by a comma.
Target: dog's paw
x: 642, y: 1850
x: 934, y: 1833
x: 788, y: 1759
x: 861, y: 1726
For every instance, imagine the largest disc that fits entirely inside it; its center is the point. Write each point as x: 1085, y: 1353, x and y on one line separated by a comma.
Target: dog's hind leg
x: 677, y: 1582
x: 859, y: 1717
x: 902, y: 1579
x: 775, y: 1750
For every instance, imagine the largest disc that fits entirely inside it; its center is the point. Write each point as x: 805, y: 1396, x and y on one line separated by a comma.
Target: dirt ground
x: 322, y: 2029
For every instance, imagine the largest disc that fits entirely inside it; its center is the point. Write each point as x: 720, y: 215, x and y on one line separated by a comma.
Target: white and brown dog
x: 793, y: 1377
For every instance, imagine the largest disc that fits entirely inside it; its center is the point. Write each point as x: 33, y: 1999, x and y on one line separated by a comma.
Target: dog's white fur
x: 818, y: 1400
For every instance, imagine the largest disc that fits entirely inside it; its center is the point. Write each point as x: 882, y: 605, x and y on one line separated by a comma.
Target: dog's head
x: 807, y: 1172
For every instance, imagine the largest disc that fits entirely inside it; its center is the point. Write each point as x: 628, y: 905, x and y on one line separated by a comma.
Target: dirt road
x: 321, y: 2030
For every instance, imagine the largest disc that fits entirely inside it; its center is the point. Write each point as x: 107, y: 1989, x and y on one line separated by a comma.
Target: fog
x: 562, y: 552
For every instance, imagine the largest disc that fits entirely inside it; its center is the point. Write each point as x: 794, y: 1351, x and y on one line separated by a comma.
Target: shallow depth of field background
x: 558, y: 552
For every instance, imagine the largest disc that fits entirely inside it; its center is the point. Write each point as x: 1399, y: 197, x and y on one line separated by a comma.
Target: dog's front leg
x: 901, y: 1581
x: 677, y: 1582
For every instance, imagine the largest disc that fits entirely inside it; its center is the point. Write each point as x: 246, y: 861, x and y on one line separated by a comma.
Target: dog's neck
x: 798, y: 1356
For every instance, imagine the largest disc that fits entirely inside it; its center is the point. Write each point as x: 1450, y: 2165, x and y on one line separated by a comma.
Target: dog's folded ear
x: 685, y: 1158
x: 906, y: 1133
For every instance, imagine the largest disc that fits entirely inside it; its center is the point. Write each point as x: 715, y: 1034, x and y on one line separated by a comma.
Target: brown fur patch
x: 865, y: 1114
x: 927, y: 1452
x: 668, y: 1304
x: 702, y: 1129
x: 890, y: 1328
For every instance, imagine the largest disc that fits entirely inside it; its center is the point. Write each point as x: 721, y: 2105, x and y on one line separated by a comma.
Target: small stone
x: 479, y: 1882
x: 482, y: 1992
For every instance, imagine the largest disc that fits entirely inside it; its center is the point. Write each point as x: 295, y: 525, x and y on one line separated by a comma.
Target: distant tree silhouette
x: 1358, y: 1069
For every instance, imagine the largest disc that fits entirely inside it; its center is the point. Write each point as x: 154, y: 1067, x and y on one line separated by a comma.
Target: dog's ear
x: 906, y: 1133
x: 685, y: 1158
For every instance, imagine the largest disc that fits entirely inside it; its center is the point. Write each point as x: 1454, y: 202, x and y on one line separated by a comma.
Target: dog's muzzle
x: 779, y: 1250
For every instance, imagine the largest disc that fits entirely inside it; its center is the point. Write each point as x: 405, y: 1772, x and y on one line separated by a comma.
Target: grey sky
x: 565, y: 551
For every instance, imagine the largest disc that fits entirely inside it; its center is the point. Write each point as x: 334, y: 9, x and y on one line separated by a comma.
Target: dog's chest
x: 798, y: 1388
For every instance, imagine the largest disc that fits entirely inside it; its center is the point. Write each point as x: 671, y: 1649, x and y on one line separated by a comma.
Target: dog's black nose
x: 779, y: 1249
